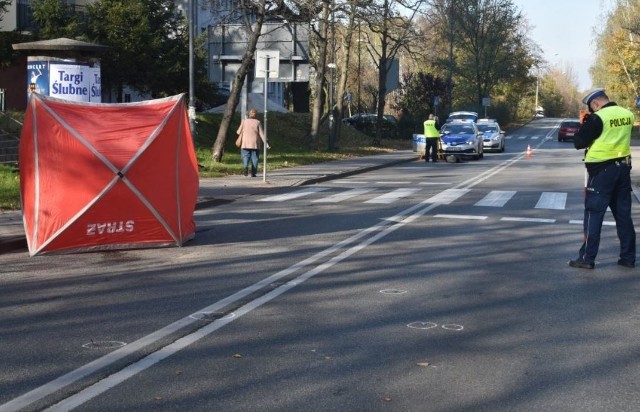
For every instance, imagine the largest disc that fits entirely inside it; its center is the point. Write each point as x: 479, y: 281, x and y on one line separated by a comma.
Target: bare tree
x: 391, y: 32
x: 253, y: 34
x: 319, y: 60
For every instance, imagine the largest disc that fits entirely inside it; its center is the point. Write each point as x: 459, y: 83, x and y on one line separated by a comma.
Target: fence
x: 9, y: 132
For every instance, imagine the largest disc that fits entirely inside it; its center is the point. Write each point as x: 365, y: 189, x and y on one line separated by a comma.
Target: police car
x: 492, y: 135
x: 462, y: 139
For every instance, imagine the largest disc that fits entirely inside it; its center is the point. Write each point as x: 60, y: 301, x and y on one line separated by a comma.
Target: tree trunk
x: 319, y: 81
x: 346, y: 39
x: 238, y: 82
x: 382, y: 93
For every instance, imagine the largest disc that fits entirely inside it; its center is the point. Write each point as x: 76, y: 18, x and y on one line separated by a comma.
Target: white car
x: 453, y: 116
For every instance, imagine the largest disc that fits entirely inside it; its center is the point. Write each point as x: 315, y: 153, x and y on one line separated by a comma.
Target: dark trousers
x: 609, y: 188
x: 431, y: 145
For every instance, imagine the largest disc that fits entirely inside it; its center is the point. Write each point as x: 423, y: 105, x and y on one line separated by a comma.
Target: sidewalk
x: 216, y: 191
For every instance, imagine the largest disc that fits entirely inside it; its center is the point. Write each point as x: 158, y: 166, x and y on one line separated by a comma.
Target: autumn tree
x: 617, y: 64
x: 55, y: 18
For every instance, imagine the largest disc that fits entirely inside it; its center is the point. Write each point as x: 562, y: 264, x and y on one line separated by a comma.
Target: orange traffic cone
x: 529, y: 152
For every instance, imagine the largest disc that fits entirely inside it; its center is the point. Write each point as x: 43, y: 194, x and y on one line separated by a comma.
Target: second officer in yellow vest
x: 606, y: 134
x: 431, y: 136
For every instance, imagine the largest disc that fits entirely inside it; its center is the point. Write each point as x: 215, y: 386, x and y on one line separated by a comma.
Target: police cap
x: 592, y: 95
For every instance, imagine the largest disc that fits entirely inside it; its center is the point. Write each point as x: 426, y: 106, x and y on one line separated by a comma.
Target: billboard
x: 64, y: 79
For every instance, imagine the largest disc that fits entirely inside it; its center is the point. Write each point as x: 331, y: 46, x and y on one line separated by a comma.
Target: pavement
x: 222, y: 190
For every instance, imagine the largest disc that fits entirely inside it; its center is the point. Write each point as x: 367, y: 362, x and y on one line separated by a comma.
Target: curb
x: 353, y: 172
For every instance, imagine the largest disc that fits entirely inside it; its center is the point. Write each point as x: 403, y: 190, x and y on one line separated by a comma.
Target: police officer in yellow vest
x: 431, y: 135
x: 606, y: 134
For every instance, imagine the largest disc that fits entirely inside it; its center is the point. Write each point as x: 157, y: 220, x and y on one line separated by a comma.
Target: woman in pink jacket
x: 249, y: 134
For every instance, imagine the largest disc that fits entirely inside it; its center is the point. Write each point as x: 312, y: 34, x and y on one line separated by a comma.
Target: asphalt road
x: 420, y: 287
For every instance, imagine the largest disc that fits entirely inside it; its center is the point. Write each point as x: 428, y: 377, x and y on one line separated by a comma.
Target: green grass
x: 289, y: 147
x: 9, y: 188
x: 287, y: 134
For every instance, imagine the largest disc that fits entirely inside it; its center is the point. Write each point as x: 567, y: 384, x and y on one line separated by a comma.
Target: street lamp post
x: 359, y: 67
x: 332, y: 129
x: 535, y: 109
x: 193, y: 22
x: 332, y: 66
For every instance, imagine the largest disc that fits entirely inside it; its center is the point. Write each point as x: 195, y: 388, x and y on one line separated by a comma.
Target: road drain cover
x: 103, y: 344
x: 211, y: 316
x: 393, y: 291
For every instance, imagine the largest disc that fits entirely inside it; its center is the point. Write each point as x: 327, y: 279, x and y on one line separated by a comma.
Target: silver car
x: 492, y: 136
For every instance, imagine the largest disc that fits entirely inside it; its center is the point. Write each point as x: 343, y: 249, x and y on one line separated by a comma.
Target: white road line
x: 527, y: 219
x: 293, y: 195
x: 435, y: 183
x: 552, y: 200
x: 605, y: 223
x: 392, y: 196
x: 522, y: 137
x: 467, y: 217
x: 447, y: 196
x: 496, y: 198
x: 339, y: 197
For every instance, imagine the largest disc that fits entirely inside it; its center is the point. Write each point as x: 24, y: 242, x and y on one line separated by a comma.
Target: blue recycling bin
x: 419, y: 143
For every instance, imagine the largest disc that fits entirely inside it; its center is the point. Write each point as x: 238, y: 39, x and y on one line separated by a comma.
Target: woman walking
x: 249, y: 134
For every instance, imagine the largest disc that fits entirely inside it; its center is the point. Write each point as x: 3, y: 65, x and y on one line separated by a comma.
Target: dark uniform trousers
x: 431, y: 146
x: 610, y: 187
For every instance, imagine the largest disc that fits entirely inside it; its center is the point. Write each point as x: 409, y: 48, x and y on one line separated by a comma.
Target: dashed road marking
x: 496, y: 198
x: 392, y: 196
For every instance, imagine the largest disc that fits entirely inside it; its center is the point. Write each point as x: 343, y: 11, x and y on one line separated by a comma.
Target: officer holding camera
x: 606, y: 136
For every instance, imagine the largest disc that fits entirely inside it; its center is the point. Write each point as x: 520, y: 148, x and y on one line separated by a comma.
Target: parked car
x: 568, y: 129
x: 473, y: 116
x: 462, y: 138
x: 366, y: 123
x: 492, y: 135
x: 221, y: 96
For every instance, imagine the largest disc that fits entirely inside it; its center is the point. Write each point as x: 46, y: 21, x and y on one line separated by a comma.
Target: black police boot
x: 581, y: 264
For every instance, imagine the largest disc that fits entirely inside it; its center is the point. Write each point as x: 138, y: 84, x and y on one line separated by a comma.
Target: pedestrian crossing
x: 496, y: 198
x: 491, y: 200
x: 373, y: 195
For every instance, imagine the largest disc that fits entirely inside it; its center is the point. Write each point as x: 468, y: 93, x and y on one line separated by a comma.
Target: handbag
x: 239, y: 139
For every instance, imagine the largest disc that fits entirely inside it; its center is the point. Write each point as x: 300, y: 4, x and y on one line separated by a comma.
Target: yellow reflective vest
x: 615, y: 139
x: 430, y: 130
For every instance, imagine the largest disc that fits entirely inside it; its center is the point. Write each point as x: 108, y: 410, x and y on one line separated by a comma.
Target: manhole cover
x: 422, y: 325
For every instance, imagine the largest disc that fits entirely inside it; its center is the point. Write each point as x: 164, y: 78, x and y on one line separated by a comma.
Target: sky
x: 564, y: 30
